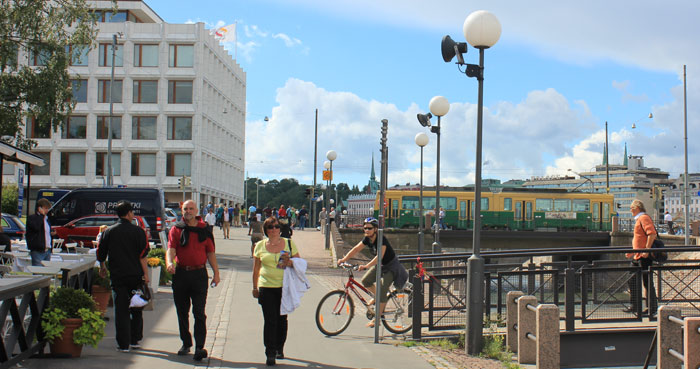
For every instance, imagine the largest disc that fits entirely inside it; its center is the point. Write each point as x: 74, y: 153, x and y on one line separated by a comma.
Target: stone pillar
x: 512, y: 320
x: 669, y: 335
x: 547, y: 336
x: 691, y: 342
x: 527, y: 348
x: 615, y: 224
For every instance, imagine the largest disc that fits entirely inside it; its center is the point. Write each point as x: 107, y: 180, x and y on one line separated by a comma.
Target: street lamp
x: 421, y: 140
x: 582, y: 176
x: 330, y: 155
x: 482, y: 30
x: 257, y: 192
x: 439, y: 106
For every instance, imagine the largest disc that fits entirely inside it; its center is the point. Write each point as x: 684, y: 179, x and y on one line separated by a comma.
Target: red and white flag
x: 226, y: 33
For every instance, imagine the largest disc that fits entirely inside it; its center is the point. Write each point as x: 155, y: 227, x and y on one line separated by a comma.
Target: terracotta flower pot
x: 101, y: 296
x: 65, y: 344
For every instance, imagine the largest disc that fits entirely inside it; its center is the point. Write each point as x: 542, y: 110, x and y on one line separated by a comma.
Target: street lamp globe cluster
x: 330, y: 155
x: 421, y: 140
x: 482, y: 30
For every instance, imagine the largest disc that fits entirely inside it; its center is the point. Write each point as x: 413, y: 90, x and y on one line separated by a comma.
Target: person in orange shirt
x: 644, y: 236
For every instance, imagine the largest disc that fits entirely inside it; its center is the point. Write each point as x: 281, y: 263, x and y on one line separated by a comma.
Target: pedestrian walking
x: 125, y: 246
x: 210, y: 219
x: 271, y: 256
x: 668, y: 218
x: 322, y: 219
x: 644, y: 236
x: 236, y: 215
x: 257, y: 234
x: 227, y: 223
x: 39, y: 234
x: 302, y: 217
x: 191, y: 245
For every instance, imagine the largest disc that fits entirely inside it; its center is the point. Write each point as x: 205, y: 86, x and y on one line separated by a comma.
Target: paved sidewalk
x: 234, y: 319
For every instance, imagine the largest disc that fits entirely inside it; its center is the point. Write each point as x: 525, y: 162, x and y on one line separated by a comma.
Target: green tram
x: 510, y: 209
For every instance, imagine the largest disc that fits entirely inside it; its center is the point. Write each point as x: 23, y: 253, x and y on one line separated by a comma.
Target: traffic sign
x: 327, y: 175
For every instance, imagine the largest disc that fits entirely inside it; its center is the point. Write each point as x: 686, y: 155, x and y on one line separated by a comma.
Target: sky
x: 558, y: 73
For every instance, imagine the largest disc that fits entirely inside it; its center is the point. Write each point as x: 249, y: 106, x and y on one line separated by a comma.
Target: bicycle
x: 337, y: 308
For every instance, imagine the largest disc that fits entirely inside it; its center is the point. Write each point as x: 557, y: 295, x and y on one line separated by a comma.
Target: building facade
x: 178, y: 110
x: 673, y: 198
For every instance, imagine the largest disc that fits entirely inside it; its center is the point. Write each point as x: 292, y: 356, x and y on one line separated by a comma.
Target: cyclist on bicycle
x: 392, y: 270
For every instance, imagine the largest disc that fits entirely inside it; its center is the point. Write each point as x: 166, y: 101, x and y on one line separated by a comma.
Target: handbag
x: 659, y: 257
x: 142, y: 297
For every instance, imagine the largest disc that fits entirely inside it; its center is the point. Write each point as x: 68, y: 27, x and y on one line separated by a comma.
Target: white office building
x: 178, y: 110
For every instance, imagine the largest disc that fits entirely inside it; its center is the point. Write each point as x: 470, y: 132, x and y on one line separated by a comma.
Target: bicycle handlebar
x: 349, y: 266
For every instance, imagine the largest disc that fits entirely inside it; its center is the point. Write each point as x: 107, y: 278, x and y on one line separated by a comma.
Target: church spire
x: 372, y: 177
x: 625, y: 161
x: 373, y: 185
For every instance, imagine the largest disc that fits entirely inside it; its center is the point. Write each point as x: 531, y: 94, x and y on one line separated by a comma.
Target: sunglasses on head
x: 273, y: 226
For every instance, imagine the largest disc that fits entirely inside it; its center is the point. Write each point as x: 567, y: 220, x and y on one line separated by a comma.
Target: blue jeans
x: 302, y: 222
x: 39, y: 256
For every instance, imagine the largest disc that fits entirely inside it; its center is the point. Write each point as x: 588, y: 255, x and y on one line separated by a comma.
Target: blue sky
x: 556, y: 75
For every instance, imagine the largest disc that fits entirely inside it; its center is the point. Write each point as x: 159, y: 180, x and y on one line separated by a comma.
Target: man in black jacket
x: 126, y: 247
x: 39, y: 233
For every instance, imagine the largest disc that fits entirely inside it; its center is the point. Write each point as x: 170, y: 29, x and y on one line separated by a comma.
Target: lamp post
x: 257, y: 193
x: 439, y: 106
x: 330, y: 155
x: 482, y: 30
x: 421, y: 140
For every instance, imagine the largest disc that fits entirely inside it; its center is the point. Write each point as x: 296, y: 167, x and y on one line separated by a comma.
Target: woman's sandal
x: 370, y: 324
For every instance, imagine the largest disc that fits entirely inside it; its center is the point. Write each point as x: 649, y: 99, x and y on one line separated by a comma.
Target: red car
x: 86, y: 228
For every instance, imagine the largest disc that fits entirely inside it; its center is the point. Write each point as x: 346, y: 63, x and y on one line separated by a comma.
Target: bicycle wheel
x: 397, y: 314
x: 334, y: 313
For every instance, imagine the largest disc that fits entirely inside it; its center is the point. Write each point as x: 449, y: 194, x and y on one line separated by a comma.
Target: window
x: 143, y: 164
x: 179, y: 128
x: 181, y: 56
x: 447, y: 203
x: 507, y: 204
x: 38, y: 56
x: 179, y: 92
x: 37, y: 130
x: 104, y: 90
x: 562, y: 205
x: 484, y: 203
x: 606, y: 211
x: 582, y: 205
x: 178, y: 164
x: 518, y: 210
x: 543, y: 205
x: 46, y: 169
x: 410, y: 202
x: 102, y: 128
x: 145, y: 55
x: 596, y: 211
x: 118, y: 17
x: 146, y: 92
x: 75, y: 127
x: 101, y: 164
x: 9, y: 59
x: 143, y: 128
x: 72, y: 163
x: 106, y: 55
x: 79, y: 88
x: 78, y: 55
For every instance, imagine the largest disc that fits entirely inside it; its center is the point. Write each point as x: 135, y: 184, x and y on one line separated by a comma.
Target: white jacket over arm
x: 293, y: 286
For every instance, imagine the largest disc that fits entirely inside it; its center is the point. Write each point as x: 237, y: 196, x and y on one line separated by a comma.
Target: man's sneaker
x: 122, y: 349
x: 184, y: 350
x: 199, y: 354
x: 135, y: 346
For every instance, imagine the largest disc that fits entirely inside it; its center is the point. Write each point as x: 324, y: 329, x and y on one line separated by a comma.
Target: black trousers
x: 190, y: 289
x: 275, y: 326
x: 128, y: 322
x: 633, y: 284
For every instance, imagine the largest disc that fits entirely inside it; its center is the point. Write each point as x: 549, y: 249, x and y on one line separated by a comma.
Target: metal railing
x: 678, y: 339
x: 78, y: 275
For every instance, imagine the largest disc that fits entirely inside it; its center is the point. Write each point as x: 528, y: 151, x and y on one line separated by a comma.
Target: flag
x: 226, y: 33
x: 320, y: 198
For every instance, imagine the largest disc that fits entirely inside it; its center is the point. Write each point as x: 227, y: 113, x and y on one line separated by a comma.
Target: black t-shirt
x: 388, y: 256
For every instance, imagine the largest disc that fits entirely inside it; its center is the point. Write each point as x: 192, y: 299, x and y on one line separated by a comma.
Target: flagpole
x: 235, y: 42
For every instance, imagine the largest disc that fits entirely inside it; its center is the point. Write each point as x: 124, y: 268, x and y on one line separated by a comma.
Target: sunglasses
x: 274, y: 226
x: 368, y: 228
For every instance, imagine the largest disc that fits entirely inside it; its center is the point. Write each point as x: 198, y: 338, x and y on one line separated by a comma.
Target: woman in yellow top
x: 271, y: 257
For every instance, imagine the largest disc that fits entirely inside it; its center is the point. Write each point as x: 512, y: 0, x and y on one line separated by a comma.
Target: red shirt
x: 195, y: 252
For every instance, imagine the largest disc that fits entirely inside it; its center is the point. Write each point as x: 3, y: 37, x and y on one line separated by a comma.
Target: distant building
x: 179, y: 109
x: 373, y: 185
x: 673, y: 197
x: 362, y: 205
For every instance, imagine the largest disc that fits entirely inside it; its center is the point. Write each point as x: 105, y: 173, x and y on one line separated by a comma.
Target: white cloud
x: 288, y: 41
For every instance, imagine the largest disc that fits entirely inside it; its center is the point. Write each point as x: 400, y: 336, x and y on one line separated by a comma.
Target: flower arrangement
x: 159, y: 254
x: 154, y: 262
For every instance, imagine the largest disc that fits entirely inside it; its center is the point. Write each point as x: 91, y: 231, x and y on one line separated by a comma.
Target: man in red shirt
x: 644, y: 236
x: 190, y: 246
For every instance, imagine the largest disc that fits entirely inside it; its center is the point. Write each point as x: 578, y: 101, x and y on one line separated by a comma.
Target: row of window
x: 142, y: 164
x: 145, y: 55
x: 142, y: 128
x: 144, y: 91
x: 450, y: 203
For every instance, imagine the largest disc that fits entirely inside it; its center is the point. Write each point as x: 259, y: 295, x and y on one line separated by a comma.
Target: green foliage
x: 9, y: 199
x: 157, y: 253
x: 444, y: 344
x: 288, y: 191
x: 70, y: 301
x: 495, y: 346
x: 51, y: 323
x: 165, y: 276
x: 93, y: 329
x: 47, y: 29
x: 98, y: 280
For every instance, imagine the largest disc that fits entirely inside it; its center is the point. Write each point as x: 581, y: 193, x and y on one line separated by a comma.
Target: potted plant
x: 165, y: 277
x: 154, y: 267
x: 71, y: 321
x: 101, y: 290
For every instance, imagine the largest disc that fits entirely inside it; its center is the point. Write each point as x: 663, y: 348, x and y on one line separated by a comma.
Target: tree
x: 10, y: 197
x: 52, y: 33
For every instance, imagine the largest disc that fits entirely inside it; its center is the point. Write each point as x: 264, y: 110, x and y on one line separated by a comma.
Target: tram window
x: 462, y: 209
x: 484, y: 203
x: 518, y: 210
x: 543, y: 205
x: 582, y: 205
x: 528, y: 210
x: 596, y: 208
x: 507, y: 204
x: 606, y: 211
x: 562, y: 205
x: 410, y: 202
x: 448, y: 203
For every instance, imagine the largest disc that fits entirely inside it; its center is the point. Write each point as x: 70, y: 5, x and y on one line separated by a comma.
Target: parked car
x: 12, y: 226
x: 170, y: 218
x: 86, y: 228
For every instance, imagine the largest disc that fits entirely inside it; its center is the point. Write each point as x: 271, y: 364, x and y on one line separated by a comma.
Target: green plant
x: 157, y: 253
x: 443, y: 343
x: 165, y: 276
x: 66, y: 303
x: 495, y: 347
x: 98, y: 280
x: 92, y: 330
x: 9, y: 199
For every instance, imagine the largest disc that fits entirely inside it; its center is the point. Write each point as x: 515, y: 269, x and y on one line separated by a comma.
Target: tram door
x: 393, y: 212
x: 597, y: 218
x: 528, y: 215
x: 518, y: 215
x: 463, y: 220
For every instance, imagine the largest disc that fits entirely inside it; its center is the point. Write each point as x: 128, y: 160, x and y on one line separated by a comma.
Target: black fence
x: 590, y: 285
